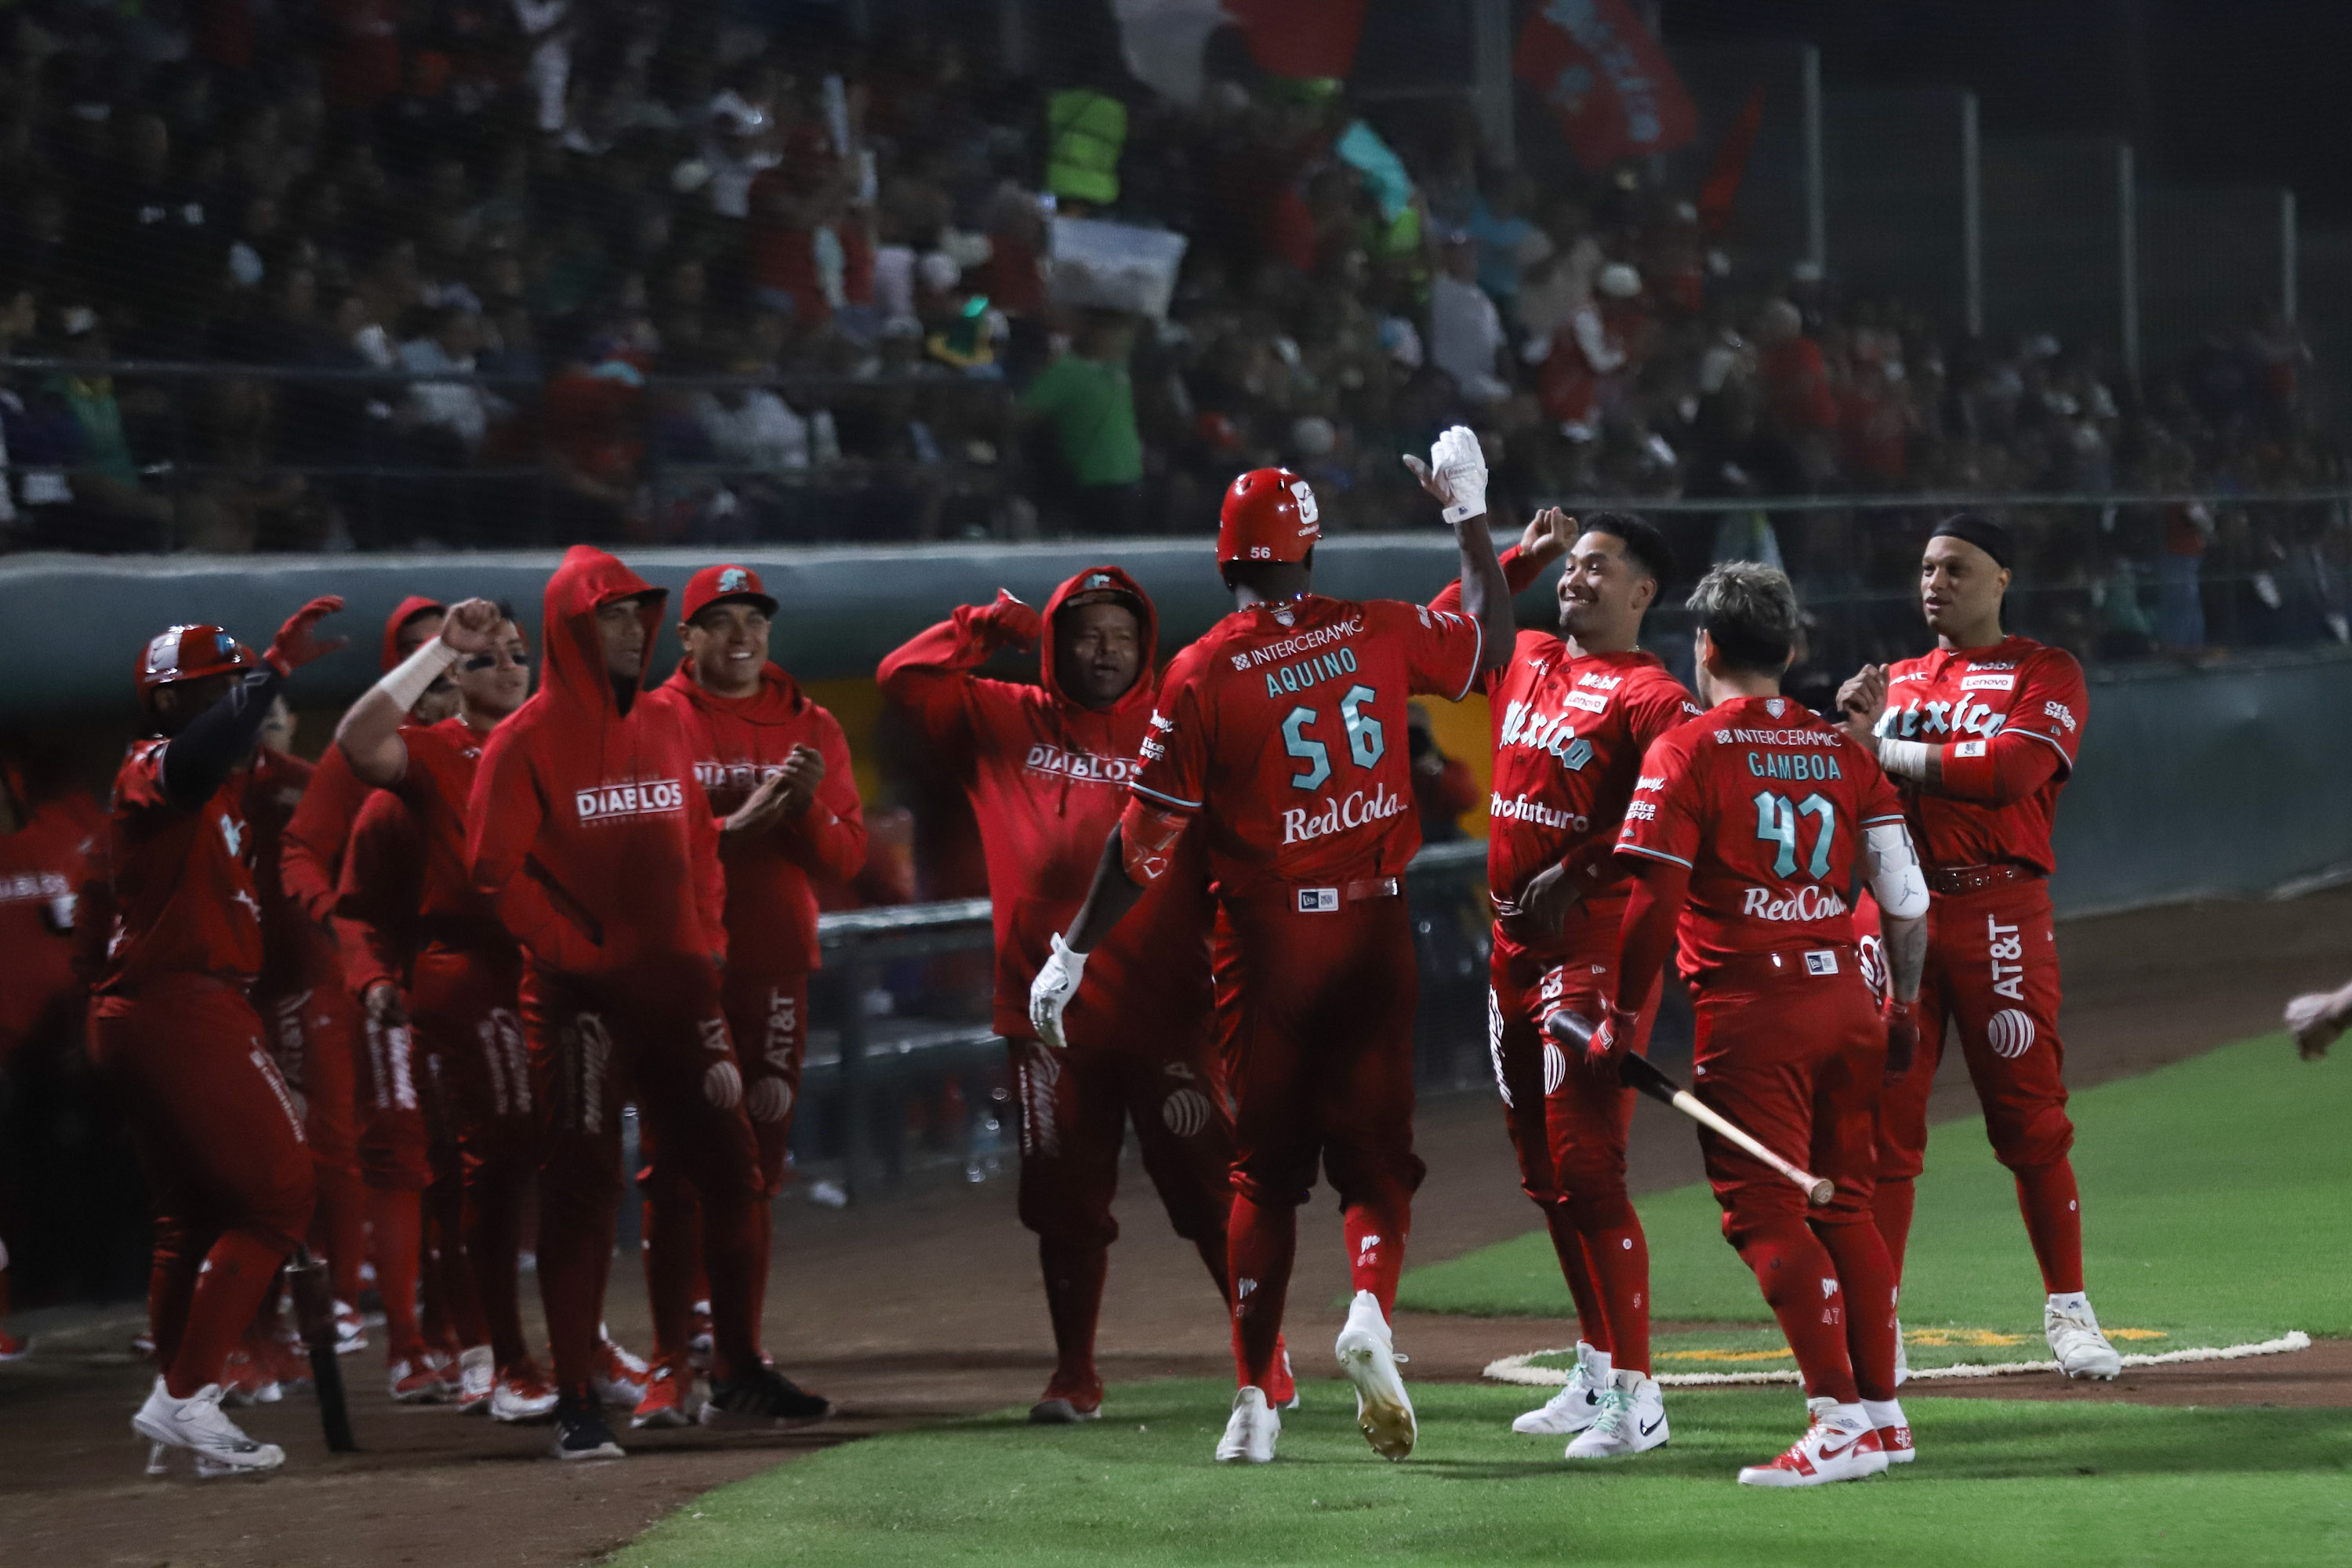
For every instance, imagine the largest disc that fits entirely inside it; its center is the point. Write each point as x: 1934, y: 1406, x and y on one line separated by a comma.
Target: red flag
x: 1716, y: 196
x: 1601, y: 73
x: 1300, y: 38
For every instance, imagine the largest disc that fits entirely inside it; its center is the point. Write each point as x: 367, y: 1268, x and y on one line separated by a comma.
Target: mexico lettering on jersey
x: 1569, y: 733
x: 1972, y: 697
x: 1765, y: 804
x: 1284, y: 728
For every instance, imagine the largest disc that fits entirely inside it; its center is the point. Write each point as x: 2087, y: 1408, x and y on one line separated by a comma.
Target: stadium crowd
x: 710, y: 284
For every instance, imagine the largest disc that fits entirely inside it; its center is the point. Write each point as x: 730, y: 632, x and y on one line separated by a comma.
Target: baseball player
x: 1745, y: 827
x: 1046, y: 768
x: 45, y: 854
x: 602, y: 862
x: 1273, y: 730
x: 462, y: 993
x: 1574, y: 712
x: 1981, y: 735
x: 775, y: 769
x: 325, y: 1035
x: 219, y: 1140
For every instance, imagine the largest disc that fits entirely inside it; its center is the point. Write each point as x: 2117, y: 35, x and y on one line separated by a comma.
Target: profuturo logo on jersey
x: 1807, y: 903
x: 631, y: 797
x: 1341, y: 813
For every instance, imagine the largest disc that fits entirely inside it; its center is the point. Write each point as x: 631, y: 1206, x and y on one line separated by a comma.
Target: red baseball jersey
x: 1765, y: 804
x: 2017, y: 692
x: 1285, y: 726
x: 42, y: 866
x: 451, y: 913
x: 182, y: 885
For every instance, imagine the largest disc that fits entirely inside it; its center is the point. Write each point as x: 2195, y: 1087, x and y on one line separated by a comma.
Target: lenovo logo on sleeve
x: 635, y: 797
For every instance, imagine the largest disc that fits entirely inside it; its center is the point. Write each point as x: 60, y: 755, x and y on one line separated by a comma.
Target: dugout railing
x: 905, y: 1080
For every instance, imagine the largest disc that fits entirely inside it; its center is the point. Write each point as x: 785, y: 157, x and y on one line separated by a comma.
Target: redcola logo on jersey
x: 1081, y: 767
x: 627, y: 798
x: 1338, y: 814
x: 1807, y: 903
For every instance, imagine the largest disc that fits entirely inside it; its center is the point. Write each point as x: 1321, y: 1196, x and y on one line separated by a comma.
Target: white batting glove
x: 2316, y: 1021
x: 1455, y: 473
x: 1050, y: 993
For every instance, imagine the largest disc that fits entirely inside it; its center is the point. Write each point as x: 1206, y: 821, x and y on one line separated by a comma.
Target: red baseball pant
x: 1321, y: 1017
x: 1993, y: 972
x: 663, y: 1032
x: 1791, y: 1048
x: 314, y: 1033
x: 1074, y: 1107
x: 464, y: 1009
x: 228, y: 1170
x: 1569, y: 1127
x: 767, y: 1015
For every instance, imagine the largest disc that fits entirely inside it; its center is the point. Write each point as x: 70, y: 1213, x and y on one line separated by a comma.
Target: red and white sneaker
x: 664, y: 1401
x: 247, y: 1380
x: 351, y: 1328
x: 1068, y: 1400
x: 619, y: 1378
x: 1281, y: 1387
x: 453, y: 1377
x: 523, y: 1393
x: 1841, y: 1445
x: 414, y: 1382
x: 1893, y: 1429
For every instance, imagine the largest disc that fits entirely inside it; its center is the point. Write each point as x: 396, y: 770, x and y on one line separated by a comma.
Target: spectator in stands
x: 1465, y: 330
x: 1800, y: 406
x: 1085, y: 400
x: 451, y: 417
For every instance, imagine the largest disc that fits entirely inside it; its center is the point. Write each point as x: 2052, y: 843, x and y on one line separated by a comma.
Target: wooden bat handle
x: 1574, y: 1030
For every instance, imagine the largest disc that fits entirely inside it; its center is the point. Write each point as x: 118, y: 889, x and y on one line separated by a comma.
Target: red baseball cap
x: 724, y: 585
x: 1269, y: 515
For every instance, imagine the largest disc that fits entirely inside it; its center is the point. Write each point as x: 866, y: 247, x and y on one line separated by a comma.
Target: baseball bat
x: 314, y: 1309
x: 1636, y: 1072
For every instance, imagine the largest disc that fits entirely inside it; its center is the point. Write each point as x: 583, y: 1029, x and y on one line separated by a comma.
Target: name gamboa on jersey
x: 1285, y: 727
x: 1765, y: 804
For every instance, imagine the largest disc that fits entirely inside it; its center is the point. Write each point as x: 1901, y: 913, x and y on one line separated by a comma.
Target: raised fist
x: 472, y: 626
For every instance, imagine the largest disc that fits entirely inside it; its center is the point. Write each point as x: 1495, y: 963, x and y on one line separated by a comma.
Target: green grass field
x: 2215, y: 1192
x: 1997, y: 1482
x: 2214, y: 1203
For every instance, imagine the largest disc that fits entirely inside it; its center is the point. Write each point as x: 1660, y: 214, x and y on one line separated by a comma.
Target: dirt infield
x: 928, y: 1305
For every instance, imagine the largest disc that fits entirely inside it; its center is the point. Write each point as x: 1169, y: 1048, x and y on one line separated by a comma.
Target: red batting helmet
x: 1269, y: 515
x: 189, y: 653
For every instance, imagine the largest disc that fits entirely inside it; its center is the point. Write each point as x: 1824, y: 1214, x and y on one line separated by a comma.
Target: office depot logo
x: 634, y: 797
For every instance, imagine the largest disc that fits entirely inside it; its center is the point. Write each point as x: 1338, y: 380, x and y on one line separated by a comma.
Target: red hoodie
x: 383, y: 877
x: 585, y: 827
x: 310, y: 859
x: 43, y: 865
x: 739, y: 743
x: 297, y: 951
x: 1047, y: 778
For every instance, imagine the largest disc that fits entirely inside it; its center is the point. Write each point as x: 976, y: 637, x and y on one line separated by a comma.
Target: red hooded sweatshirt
x: 310, y: 859
x: 585, y: 827
x: 740, y: 742
x: 1047, y: 778
x: 383, y: 883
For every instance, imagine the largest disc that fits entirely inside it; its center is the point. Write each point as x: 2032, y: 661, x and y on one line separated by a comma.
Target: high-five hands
x: 1455, y: 473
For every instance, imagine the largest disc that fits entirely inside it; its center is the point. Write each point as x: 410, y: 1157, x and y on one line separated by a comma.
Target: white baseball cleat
x: 2073, y: 1330
x: 1367, y: 1353
x: 1574, y: 1408
x: 619, y: 1378
x: 1902, y: 1357
x: 1840, y: 1445
x: 196, y: 1424
x: 1250, y: 1430
x: 478, y: 1380
x: 1893, y: 1429
x: 1631, y: 1419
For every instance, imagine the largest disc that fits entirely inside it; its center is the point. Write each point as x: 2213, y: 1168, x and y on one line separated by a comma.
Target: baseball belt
x: 1977, y: 878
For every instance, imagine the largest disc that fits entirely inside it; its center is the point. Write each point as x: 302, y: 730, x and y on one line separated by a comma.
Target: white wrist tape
x: 1895, y: 880
x: 420, y: 669
x: 1906, y: 758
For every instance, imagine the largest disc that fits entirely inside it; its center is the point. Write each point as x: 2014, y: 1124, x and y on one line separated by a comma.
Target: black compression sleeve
x: 216, y: 739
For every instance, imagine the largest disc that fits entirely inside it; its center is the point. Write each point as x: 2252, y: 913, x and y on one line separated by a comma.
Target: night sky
x: 2211, y: 91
